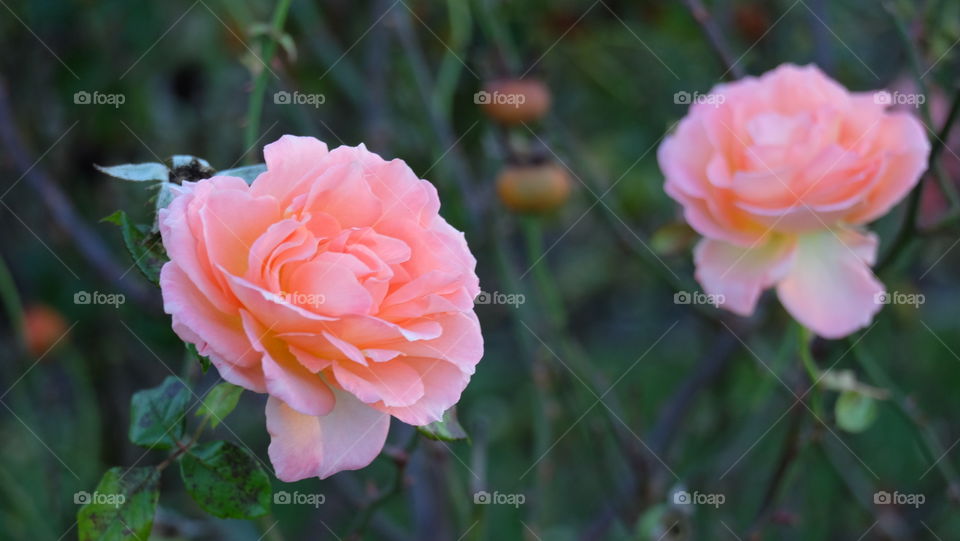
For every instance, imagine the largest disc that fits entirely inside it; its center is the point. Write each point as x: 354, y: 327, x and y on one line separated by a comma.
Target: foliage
x: 578, y: 404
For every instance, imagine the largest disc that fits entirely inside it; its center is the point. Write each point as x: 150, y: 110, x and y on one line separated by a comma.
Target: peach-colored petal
x: 332, y: 284
x: 442, y: 383
x: 830, y: 288
x: 736, y: 275
x: 219, y: 333
x: 791, y: 155
x: 332, y: 279
x: 273, y: 308
x: 460, y: 344
x: 393, y: 383
x: 347, y: 438
x: 290, y: 160
x: 232, y: 220
x: 182, y: 238
x: 906, y: 163
x: 284, y: 376
x: 343, y: 192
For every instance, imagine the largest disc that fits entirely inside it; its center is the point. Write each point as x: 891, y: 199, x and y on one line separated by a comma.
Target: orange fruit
x: 42, y: 328
x: 513, y: 101
x: 534, y: 188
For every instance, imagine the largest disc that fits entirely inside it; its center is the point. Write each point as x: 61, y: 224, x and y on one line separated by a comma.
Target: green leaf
x: 144, y: 247
x: 248, y: 173
x: 855, y: 411
x: 226, y: 481
x: 157, y: 414
x: 162, y: 200
x: 137, y: 172
x: 219, y: 402
x: 447, y: 429
x: 164, y: 196
x: 122, y: 506
x: 289, y: 46
x: 202, y: 359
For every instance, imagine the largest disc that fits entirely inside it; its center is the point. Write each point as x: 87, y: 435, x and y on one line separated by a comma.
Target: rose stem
x: 255, y: 105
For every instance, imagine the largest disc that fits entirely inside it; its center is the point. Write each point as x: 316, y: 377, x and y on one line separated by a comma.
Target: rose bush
x: 780, y: 176
x: 332, y: 284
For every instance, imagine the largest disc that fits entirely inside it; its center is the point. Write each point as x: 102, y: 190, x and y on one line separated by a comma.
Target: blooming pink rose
x: 779, y: 174
x: 332, y: 284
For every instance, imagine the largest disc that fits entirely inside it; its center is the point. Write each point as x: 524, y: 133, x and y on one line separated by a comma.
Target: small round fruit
x: 513, y: 101
x: 533, y: 188
x: 43, y: 327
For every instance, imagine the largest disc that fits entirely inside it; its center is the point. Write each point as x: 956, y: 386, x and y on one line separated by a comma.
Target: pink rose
x: 333, y: 285
x: 779, y: 174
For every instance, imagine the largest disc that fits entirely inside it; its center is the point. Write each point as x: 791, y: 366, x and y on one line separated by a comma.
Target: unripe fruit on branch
x: 533, y: 188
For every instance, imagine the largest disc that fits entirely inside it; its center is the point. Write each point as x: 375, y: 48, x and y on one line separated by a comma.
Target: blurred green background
x: 599, y: 397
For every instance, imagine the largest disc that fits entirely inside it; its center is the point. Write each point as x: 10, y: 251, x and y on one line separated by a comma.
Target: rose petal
x: 830, y: 288
x: 347, y: 438
x: 442, y: 383
x: 290, y: 160
x: 737, y: 275
x: 394, y: 383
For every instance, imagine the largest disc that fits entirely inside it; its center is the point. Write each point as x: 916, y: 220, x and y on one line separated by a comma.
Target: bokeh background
x: 599, y: 397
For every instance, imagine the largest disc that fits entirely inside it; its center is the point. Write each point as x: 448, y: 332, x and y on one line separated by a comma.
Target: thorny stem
x: 184, y: 448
